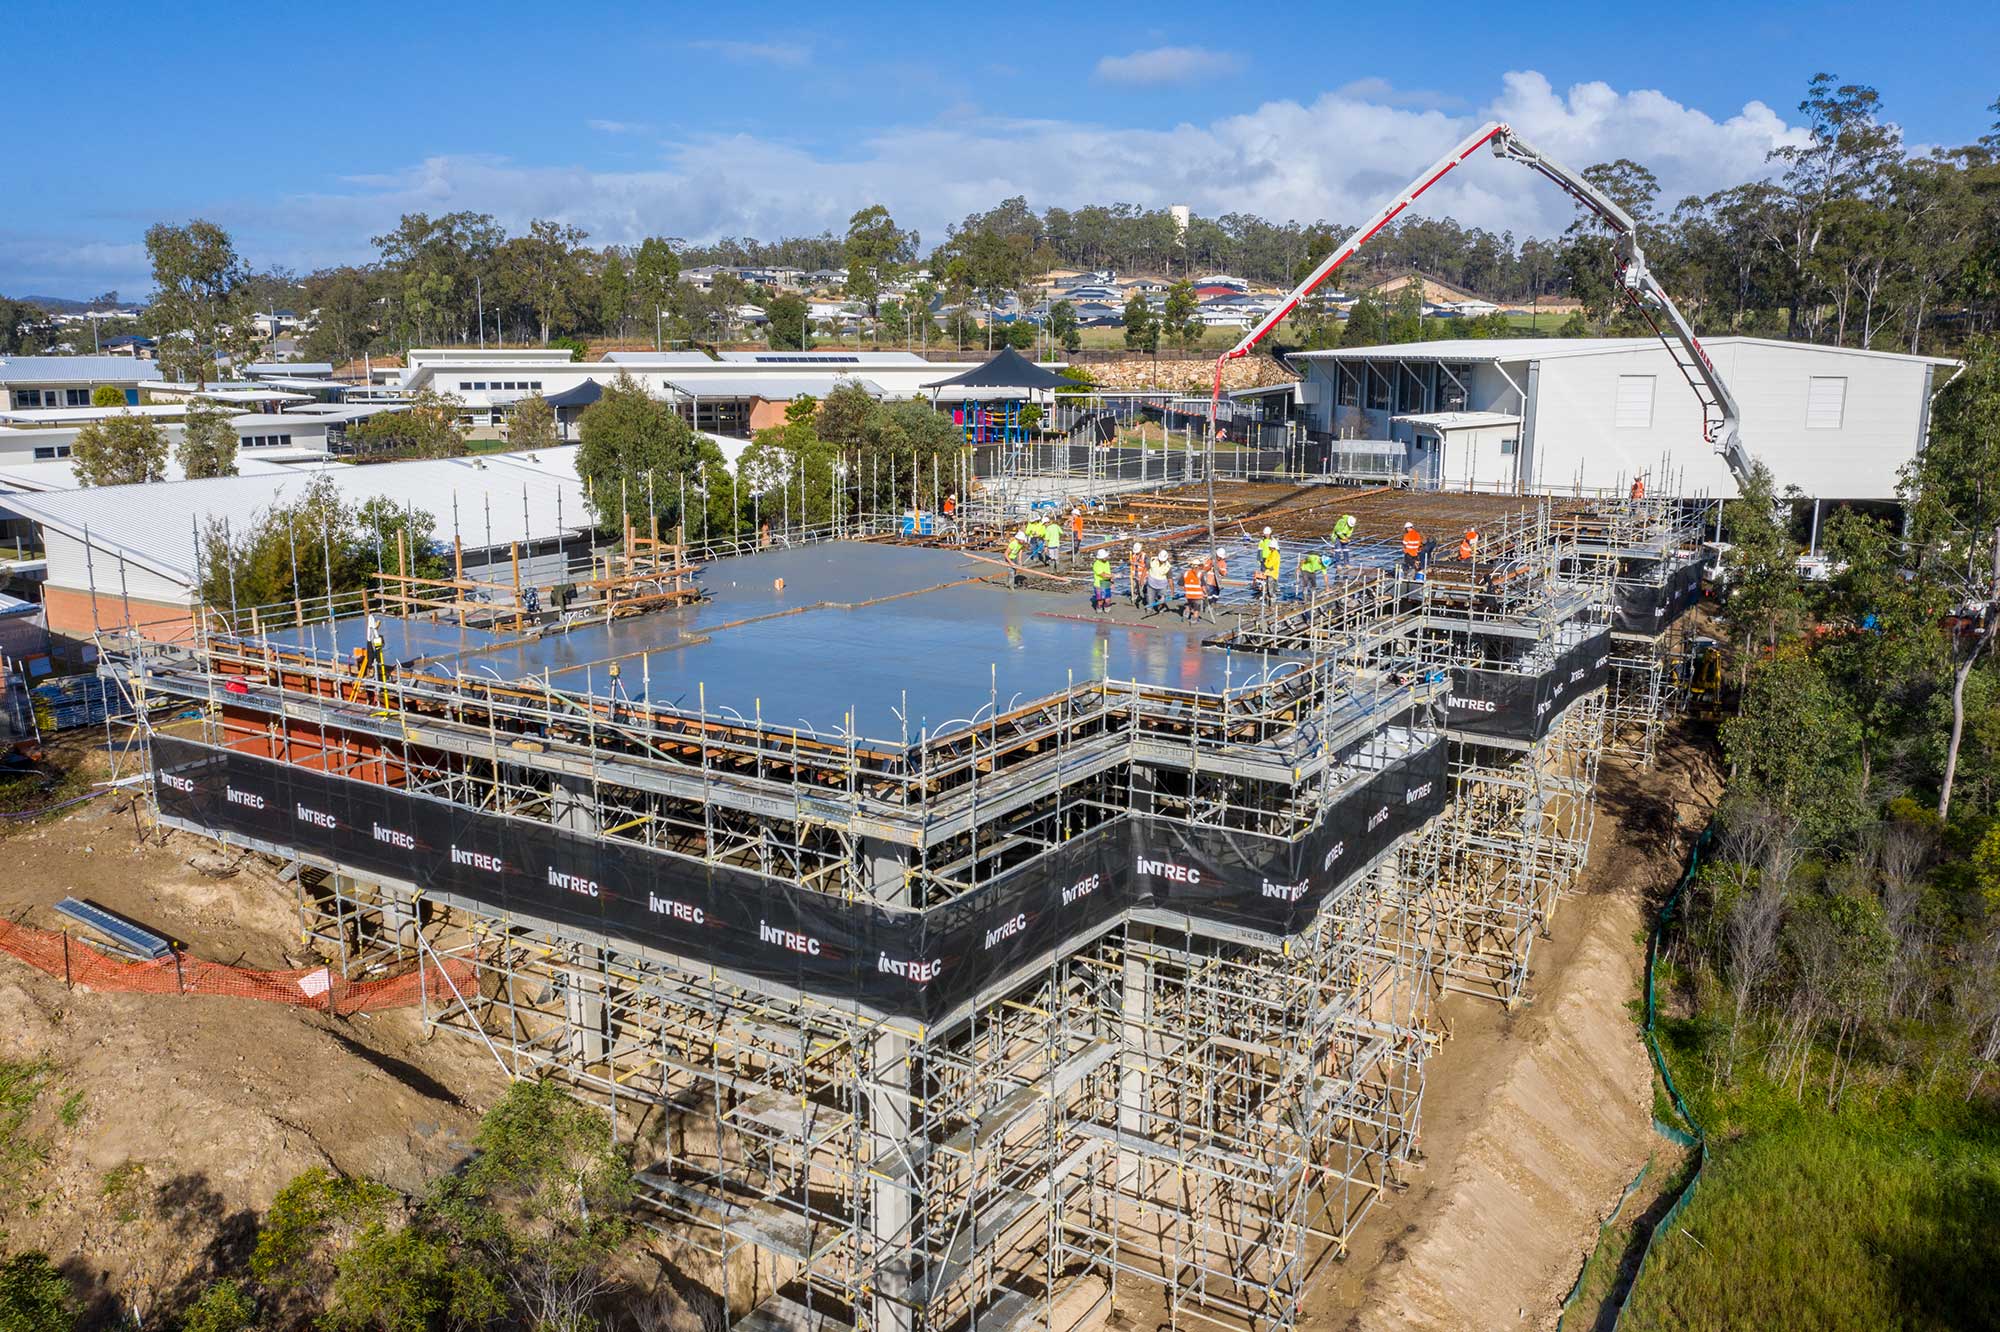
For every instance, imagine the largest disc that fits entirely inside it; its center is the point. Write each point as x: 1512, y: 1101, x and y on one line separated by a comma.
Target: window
x: 536, y: 385
x: 1378, y: 388
x: 1350, y: 390
x: 29, y: 398
x: 76, y: 397
x: 464, y: 384
x: 1826, y: 401
x: 1509, y: 447
x: 1634, y: 409
x: 45, y: 452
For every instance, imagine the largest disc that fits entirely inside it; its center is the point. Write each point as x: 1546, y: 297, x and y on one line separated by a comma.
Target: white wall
x: 71, y: 568
x: 1577, y: 438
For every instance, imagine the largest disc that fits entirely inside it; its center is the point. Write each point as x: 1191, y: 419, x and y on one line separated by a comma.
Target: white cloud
x: 619, y: 126
x: 1337, y: 157
x: 789, y: 54
x: 1168, y: 65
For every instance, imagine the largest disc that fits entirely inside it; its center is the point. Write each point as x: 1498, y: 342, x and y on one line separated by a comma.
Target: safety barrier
x: 80, y: 964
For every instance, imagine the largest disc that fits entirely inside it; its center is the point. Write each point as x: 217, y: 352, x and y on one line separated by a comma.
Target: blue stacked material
x: 131, y: 937
x: 76, y: 700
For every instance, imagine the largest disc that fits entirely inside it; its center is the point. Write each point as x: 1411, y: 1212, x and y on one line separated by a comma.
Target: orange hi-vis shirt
x: 1191, y: 587
x: 1413, y: 541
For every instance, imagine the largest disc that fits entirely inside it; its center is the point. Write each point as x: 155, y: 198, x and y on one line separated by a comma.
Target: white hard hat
x: 1023, y: 532
x: 1267, y: 531
x: 1221, y: 554
x: 1137, y: 546
x: 1408, y: 526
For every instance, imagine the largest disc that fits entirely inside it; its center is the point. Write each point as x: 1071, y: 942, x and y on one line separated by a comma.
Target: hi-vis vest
x: 1413, y: 542
x: 1191, y: 586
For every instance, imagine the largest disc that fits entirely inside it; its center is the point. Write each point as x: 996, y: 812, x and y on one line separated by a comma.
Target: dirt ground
x: 1535, y: 1119
x: 165, y: 1124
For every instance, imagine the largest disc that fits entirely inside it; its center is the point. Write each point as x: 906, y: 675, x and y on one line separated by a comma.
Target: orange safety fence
x: 323, y: 988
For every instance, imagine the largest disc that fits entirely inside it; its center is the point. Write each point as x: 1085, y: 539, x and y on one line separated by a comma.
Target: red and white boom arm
x: 1720, y: 417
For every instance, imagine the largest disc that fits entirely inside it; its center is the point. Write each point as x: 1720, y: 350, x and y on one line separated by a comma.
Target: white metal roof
x: 656, y: 358
x: 771, y: 388
x: 69, y: 416
x: 317, y: 369
x: 1545, y: 349
x: 60, y: 473
x: 235, y: 393
x: 75, y: 370
x: 154, y: 525
x: 826, y: 356
x: 1448, y: 421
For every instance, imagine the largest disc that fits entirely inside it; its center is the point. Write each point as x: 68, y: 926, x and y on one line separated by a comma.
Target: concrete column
x: 896, y: 1144
x: 1136, y: 1007
x: 892, y: 1195
x: 573, y: 807
x: 583, y: 1005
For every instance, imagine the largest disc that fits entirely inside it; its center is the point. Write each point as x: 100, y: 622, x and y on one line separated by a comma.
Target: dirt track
x: 1534, y: 1120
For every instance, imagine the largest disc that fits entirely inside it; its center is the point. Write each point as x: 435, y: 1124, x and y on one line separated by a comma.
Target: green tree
x: 1764, y: 604
x: 614, y: 292
x: 200, y: 308
x: 544, y: 1202
x: 1062, y: 326
x: 789, y: 328
x: 208, y: 442
x: 656, y: 271
x: 295, y: 551
x: 35, y: 1296
x: 1797, y: 746
x: 435, y: 264
x: 874, y: 246
x: 1406, y: 315
x: 223, y: 1307
x: 532, y: 424
x: 1952, y: 490
x: 636, y: 450
x: 427, y: 426
x: 1142, y: 331
x: 119, y: 450
x: 546, y: 266
x: 408, y: 1278
x: 1367, y: 325
x: 347, y: 313
x: 107, y: 395
x: 1181, y: 317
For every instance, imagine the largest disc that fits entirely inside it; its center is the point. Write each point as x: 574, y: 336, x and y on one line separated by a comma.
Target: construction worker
x: 1312, y: 574
x: 1015, y: 548
x: 951, y: 505
x: 1468, y: 545
x: 1343, y: 532
x: 1157, y: 575
x: 1076, y: 529
x: 1413, y: 549
x: 1265, y: 546
x: 1052, y: 541
x: 1211, y: 576
x: 1639, y: 487
x: 1273, y: 560
x: 1032, y: 534
x: 1194, y: 594
x: 1100, y: 583
x: 1137, y: 569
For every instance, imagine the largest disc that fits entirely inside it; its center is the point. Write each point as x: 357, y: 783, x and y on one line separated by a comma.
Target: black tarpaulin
x: 900, y: 962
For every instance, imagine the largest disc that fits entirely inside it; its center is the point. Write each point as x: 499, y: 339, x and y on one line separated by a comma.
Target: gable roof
x: 1007, y: 369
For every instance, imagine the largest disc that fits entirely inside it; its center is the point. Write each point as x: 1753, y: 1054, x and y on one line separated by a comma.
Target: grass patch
x: 1833, y: 1223
x: 22, y: 1084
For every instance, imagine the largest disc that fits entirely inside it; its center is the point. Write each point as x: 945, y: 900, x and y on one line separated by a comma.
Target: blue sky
x: 306, y: 135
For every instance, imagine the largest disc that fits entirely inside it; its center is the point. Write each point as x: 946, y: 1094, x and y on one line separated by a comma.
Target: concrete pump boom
x: 1720, y: 419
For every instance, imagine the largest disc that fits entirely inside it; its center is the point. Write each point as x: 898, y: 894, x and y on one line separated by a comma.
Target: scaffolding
x: 1194, y: 1108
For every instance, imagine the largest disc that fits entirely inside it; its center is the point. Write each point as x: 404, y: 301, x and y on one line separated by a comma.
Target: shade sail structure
x: 1007, y: 370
